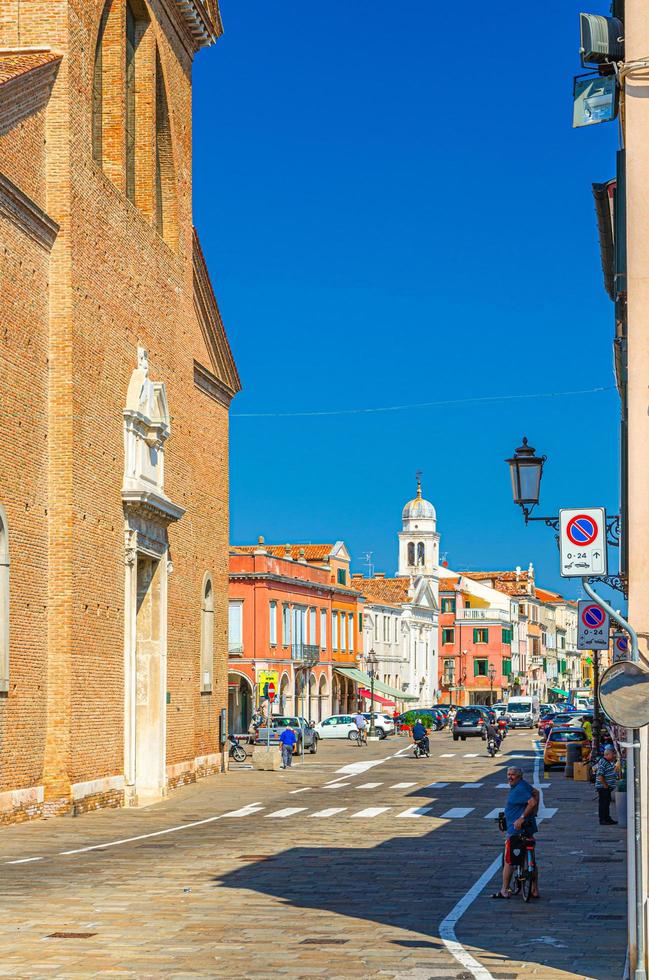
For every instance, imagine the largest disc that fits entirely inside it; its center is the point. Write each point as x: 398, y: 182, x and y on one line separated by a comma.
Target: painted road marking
x: 244, y: 811
x: 288, y: 811
x: 471, y: 785
x: 303, y: 790
x: 336, y: 785
x: 415, y: 811
x: 447, y: 755
x: 329, y: 812
x: 548, y: 811
x: 24, y: 860
x: 493, y: 814
x: 402, y: 785
x: 540, y: 785
x: 371, y: 811
x: 457, y: 812
x: 435, y: 785
x: 470, y: 755
x: 369, y: 785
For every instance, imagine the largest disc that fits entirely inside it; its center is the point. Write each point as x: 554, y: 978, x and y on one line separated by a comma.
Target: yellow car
x: 554, y: 753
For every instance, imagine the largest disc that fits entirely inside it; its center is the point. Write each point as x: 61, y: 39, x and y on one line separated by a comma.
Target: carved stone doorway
x: 150, y: 681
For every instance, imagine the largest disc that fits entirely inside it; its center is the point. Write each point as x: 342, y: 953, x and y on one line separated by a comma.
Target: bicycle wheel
x: 353, y: 736
x: 527, y: 886
x: 515, y: 883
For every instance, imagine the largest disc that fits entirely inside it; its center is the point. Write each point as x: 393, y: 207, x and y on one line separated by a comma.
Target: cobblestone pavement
x: 317, y: 872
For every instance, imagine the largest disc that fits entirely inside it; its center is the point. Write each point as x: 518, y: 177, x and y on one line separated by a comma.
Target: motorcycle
x: 492, y: 747
x: 502, y: 728
x: 237, y: 752
x: 422, y: 748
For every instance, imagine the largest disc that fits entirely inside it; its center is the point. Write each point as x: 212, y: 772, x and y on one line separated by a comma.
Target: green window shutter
x: 507, y: 668
x: 476, y: 666
x: 476, y: 635
x: 545, y: 663
x: 360, y: 622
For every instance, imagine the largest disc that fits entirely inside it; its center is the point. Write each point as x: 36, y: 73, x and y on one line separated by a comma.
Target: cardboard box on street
x: 581, y: 772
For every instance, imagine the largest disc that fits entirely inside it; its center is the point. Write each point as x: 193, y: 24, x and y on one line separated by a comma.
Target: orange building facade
x: 292, y: 612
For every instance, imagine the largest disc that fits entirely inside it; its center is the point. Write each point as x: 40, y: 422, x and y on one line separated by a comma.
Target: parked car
x: 299, y: 725
x: 523, y: 711
x: 556, y: 746
x: 468, y: 723
x: 341, y: 726
x: 499, y: 709
x: 545, y: 724
x: 383, y: 723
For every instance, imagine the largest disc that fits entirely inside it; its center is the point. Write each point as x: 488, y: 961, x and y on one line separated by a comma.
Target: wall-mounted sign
x: 594, y: 100
x: 582, y: 542
x: 592, y: 626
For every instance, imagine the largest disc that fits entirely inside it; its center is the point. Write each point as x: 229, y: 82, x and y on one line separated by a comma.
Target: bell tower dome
x: 418, y: 539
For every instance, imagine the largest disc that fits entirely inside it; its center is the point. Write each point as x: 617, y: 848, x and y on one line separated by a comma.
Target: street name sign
x: 593, y: 626
x: 620, y: 647
x: 582, y: 541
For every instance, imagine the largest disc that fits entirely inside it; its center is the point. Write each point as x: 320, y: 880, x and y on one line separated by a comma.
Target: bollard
x: 573, y: 754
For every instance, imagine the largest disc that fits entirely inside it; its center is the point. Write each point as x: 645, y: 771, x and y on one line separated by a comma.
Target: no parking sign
x: 621, y: 647
x: 583, y: 542
x: 593, y: 625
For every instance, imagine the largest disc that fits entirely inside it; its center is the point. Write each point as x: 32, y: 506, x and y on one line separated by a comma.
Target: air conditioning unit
x: 601, y: 38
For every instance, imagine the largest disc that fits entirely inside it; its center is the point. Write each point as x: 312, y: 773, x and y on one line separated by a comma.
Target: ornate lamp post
x: 372, y: 664
x: 492, y: 677
x: 526, y: 469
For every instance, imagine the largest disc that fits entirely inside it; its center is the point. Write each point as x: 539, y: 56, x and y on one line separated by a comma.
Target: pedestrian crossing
x: 372, y: 812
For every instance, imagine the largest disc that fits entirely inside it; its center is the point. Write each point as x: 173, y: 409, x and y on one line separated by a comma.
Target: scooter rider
x: 494, y: 733
x: 419, y: 735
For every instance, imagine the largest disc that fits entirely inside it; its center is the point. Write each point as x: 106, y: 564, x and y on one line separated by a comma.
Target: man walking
x: 520, y: 809
x: 287, y: 740
x: 606, y: 782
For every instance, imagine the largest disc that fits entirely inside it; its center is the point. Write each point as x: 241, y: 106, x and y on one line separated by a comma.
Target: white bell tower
x: 419, y: 540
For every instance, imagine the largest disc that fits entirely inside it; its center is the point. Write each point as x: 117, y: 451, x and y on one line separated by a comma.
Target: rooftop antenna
x: 367, y: 560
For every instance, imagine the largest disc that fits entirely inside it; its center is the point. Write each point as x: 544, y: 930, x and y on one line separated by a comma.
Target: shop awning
x: 357, y: 675
x: 364, y: 693
x: 557, y: 690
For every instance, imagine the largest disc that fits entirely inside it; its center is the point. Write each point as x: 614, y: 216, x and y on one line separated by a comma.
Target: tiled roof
x: 449, y: 584
x: 392, y: 591
x: 312, y: 552
x: 545, y: 595
x: 13, y: 64
x: 509, y: 582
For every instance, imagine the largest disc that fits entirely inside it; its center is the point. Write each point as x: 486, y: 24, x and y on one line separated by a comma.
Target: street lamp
x: 372, y: 664
x: 526, y: 469
x: 492, y: 677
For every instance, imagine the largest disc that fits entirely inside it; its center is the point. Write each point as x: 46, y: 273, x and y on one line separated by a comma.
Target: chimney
x: 301, y: 557
x: 518, y: 573
x: 260, y: 550
x: 287, y: 552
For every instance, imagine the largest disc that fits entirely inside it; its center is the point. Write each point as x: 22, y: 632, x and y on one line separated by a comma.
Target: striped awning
x: 360, y: 677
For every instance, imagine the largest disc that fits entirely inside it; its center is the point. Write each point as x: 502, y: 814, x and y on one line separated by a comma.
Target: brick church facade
x: 115, y: 383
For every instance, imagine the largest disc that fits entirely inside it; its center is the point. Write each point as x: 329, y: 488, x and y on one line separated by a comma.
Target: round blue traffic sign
x: 593, y: 617
x: 582, y: 530
x: 622, y: 644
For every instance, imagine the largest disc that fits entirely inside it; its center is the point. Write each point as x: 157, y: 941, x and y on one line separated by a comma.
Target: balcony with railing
x: 483, y: 616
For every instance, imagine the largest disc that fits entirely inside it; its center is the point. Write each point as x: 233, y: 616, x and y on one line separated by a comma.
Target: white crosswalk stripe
x: 245, y: 811
x: 369, y: 785
x: 492, y: 814
x: 336, y: 785
x: 470, y: 755
x: 402, y: 785
x: 288, y: 811
x: 415, y: 811
x: 456, y: 813
x: 329, y: 812
x: 471, y: 785
x: 448, y: 755
x: 371, y: 811
x: 506, y: 785
x: 303, y: 790
x: 435, y: 785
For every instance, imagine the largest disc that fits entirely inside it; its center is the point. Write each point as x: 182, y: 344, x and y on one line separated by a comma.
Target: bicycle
x: 526, y: 870
x: 358, y: 736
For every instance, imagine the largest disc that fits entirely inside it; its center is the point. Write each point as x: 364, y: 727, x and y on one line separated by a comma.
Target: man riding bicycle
x: 361, y: 722
x: 420, y: 735
x: 520, y: 809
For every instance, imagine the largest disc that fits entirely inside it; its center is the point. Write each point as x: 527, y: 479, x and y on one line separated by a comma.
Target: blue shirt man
x: 287, y: 740
x: 520, y: 794
x: 418, y: 731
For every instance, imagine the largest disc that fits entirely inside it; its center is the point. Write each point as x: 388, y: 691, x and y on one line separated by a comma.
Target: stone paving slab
x: 296, y: 897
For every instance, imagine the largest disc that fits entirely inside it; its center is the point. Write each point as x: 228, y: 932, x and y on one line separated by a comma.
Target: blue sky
x: 396, y: 210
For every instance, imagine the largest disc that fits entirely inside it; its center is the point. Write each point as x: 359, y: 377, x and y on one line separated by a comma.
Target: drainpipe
x: 637, y: 943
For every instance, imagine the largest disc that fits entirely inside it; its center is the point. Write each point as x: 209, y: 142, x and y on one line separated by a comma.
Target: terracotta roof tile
x: 392, y: 591
x: 13, y: 64
x: 312, y: 552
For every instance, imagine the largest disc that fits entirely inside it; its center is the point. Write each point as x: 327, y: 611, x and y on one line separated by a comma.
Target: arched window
x: 421, y: 553
x: 207, y: 634
x: 165, y: 178
x: 4, y: 602
x: 98, y: 89
x: 411, y: 553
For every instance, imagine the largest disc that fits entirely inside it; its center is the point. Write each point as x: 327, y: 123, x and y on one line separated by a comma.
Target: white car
x: 342, y: 726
